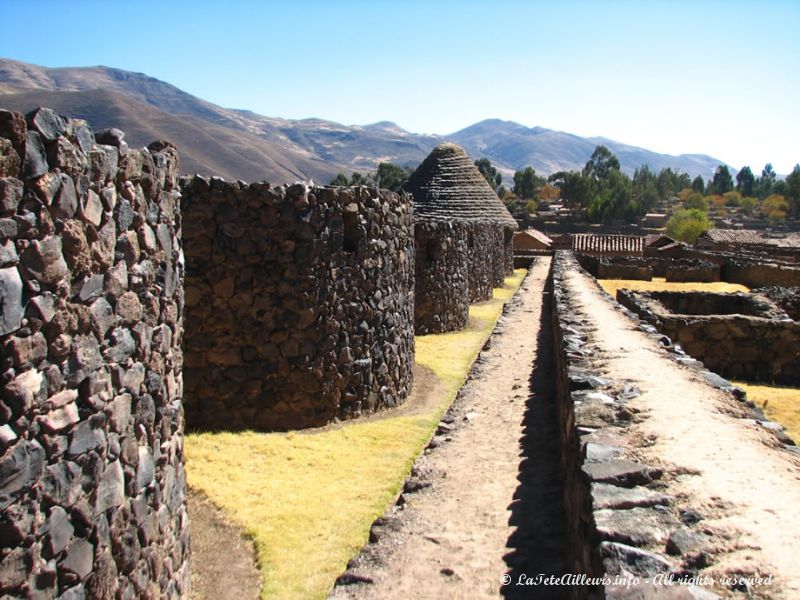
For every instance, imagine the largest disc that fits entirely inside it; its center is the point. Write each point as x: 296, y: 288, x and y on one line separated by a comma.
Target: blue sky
x: 713, y: 77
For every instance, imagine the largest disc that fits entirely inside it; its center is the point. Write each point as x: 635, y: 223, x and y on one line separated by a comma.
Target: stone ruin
x: 463, y: 238
x: 92, y: 482
x: 739, y: 336
x: 299, y: 303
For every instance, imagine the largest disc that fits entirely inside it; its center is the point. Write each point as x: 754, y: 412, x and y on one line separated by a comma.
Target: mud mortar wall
x: 92, y: 483
x: 487, y: 256
x: 442, y: 277
x: 299, y: 303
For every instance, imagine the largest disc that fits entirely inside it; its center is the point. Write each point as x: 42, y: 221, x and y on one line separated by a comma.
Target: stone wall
x: 92, y: 482
x: 757, y: 274
x: 646, y: 268
x: 442, y: 277
x: 788, y: 298
x: 624, y: 517
x: 485, y: 252
x: 299, y: 303
x: 736, y: 346
x: 692, y: 270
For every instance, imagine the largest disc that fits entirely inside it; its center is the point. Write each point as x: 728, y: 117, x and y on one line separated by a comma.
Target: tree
x: 391, y: 176
x: 493, y: 178
x: 775, y: 207
x: 548, y: 193
x: 733, y: 198
x: 575, y: 189
x: 526, y: 182
x: 745, y: 181
x: 767, y: 181
x: 687, y: 225
x: 600, y: 164
x: 698, y: 185
x: 696, y: 202
x: 793, y: 191
x: 722, y: 181
x: 531, y: 206
x: 340, y: 180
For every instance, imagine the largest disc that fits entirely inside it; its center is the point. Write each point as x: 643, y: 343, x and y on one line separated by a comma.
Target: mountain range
x: 240, y: 144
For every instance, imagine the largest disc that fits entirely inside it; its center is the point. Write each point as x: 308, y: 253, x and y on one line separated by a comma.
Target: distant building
x: 532, y: 241
x: 655, y: 220
x: 730, y: 239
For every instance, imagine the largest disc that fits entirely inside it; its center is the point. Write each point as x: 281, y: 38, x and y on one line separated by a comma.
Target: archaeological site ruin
x: 463, y: 236
x: 136, y: 304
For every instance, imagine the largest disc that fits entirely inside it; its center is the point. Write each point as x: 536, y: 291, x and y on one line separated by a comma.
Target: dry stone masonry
x: 454, y: 203
x: 92, y: 480
x: 299, y: 303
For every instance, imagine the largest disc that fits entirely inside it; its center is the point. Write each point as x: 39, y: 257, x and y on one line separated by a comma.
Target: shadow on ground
x: 538, y: 545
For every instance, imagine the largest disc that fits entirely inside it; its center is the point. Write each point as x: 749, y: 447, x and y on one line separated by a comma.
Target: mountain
x: 512, y: 146
x: 241, y: 144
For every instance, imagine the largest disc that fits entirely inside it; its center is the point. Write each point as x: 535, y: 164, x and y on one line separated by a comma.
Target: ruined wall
x: 736, y: 346
x: 484, y: 251
x: 613, y: 501
x: 788, y: 298
x: 92, y: 482
x: 757, y: 274
x: 698, y: 271
x: 442, y: 277
x: 299, y: 303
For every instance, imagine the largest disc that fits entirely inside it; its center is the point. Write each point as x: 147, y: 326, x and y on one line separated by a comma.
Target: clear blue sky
x: 713, y: 77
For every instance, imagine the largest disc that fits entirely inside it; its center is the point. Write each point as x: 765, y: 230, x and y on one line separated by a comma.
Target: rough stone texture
x: 788, y: 298
x: 448, y: 188
x: 299, y: 303
x: 82, y: 481
x: 739, y: 336
x: 442, y: 277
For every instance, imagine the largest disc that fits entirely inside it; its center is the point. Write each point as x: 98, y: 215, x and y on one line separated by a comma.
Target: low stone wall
x: 757, y: 274
x: 614, y: 502
x: 299, y: 303
x: 92, y: 483
x: 696, y: 271
x: 788, y: 298
x: 442, y: 280
x: 736, y: 346
x: 617, y: 270
x: 646, y: 268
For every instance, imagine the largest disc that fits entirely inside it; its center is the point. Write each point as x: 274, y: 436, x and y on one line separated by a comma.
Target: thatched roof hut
x: 463, y: 238
x: 448, y: 186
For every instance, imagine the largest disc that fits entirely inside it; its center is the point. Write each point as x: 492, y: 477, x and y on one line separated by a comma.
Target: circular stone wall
x: 92, y: 480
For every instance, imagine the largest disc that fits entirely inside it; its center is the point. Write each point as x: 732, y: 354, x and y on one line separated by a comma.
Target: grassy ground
x: 781, y: 404
x: 307, y: 499
x: 659, y: 284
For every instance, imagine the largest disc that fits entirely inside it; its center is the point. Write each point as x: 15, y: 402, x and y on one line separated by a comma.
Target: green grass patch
x: 780, y: 404
x: 307, y: 499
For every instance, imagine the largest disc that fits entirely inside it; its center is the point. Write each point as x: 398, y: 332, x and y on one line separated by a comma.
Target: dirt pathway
x: 732, y: 470
x: 494, y: 502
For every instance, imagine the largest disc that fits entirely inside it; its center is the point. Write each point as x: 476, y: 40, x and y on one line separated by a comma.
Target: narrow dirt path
x: 494, y: 503
x: 746, y: 488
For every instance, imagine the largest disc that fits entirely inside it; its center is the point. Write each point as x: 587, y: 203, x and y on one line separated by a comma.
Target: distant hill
x: 241, y: 144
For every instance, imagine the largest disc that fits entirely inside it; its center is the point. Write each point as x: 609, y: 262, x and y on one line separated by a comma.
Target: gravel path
x: 491, y: 499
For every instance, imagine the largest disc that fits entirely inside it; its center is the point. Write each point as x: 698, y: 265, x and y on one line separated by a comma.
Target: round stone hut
x: 463, y: 238
x: 299, y: 303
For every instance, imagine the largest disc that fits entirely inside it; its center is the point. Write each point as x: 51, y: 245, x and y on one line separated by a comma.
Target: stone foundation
x: 92, y: 482
x: 299, y: 303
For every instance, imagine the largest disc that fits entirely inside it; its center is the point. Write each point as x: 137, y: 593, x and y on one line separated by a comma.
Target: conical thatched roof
x: 448, y: 185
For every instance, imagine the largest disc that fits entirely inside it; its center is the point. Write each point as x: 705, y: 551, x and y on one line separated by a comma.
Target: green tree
x: 722, y: 181
x: 526, y: 182
x: 687, y: 225
x: 766, y: 182
x: 575, y: 189
x: 531, y: 206
x: 340, y: 180
x: 745, y: 181
x: 696, y: 201
x: 391, y: 176
x: 601, y: 164
x: 793, y: 191
x: 493, y: 178
x: 698, y: 185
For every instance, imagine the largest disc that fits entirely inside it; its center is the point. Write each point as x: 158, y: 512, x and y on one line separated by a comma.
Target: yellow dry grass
x: 659, y: 284
x: 307, y: 499
x: 781, y: 404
